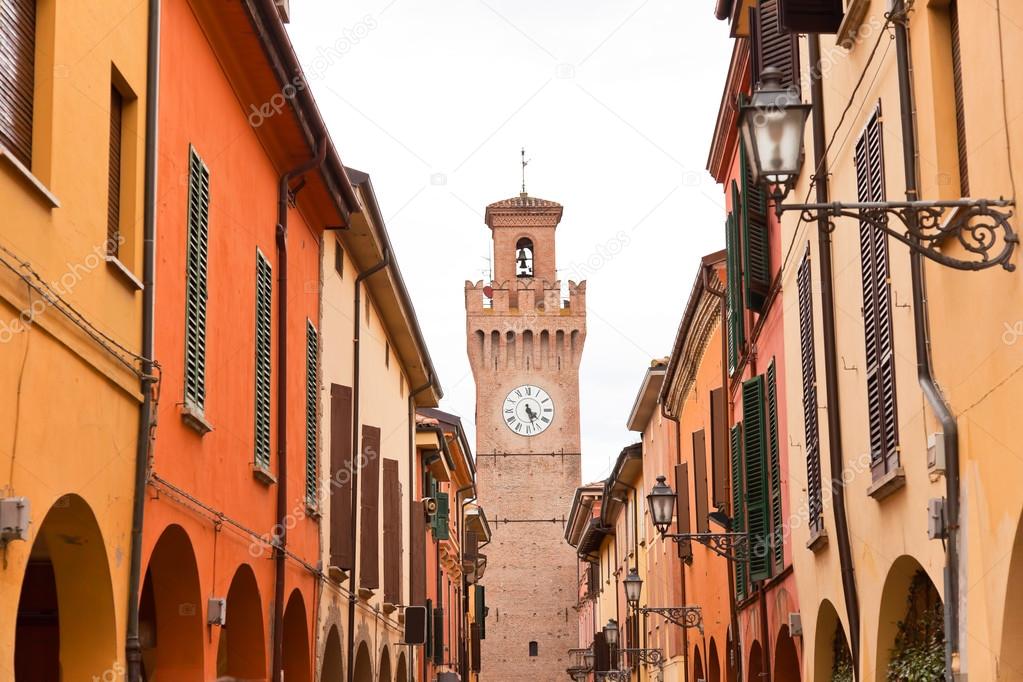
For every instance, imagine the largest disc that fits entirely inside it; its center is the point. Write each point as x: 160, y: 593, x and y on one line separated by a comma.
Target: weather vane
x: 524, y: 164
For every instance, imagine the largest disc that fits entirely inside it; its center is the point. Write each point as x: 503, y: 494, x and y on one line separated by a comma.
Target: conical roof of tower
x: 525, y: 204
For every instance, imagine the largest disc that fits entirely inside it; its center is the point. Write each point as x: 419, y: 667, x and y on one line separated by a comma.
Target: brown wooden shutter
x: 369, y: 510
x: 392, y: 533
x: 877, y: 305
x: 341, y: 476
x: 17, y: 76
x: 685, y: 548
x: 474, y: 647
x: 957, y: 85
x: 771, y: 46
x: 114, y: 174
x: 601, y: 653
x: 417, y: 554
x: 700, y: 480
x: 719, y: 447
x: 811, y: 428
x: 810, y: 16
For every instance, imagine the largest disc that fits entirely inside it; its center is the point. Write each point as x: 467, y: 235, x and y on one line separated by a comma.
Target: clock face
x: 528, y: 410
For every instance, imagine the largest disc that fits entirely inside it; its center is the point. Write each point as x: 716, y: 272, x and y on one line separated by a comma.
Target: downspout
x: 281, y: 529
x: 353, y: 596
x: 852, y: 604
x: 133, y: 645
x: 924, y: 370
x: 733, y: 610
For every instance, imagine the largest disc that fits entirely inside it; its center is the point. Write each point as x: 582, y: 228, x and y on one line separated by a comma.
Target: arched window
x: 524, y: 257
x: 534, y: 649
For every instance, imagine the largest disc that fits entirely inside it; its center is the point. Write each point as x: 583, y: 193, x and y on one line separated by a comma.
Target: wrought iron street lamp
x: 772, y: 125
x: 588, y: 658
x: 633, y: 588
x: 611, y: 632
x: 661, y: 501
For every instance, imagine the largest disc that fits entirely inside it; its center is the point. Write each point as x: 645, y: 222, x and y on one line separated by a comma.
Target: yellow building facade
x: 913, y: 342
x: 72, y: 146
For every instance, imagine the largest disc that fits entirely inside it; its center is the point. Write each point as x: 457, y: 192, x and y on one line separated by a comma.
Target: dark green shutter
x: 438, y: 635
x: 442, y: 530
x: 481, y: 610
x: 738, y: 520
x: 195, y: 281
x: 756, y: 248
x: 311, y: 394
x: 428, y: 648
x: 774, y: 466
x: 736, y: 333
x: 264, y: 295
x: 754, y: 447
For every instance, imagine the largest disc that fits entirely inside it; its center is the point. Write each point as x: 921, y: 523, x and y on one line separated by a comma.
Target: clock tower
x: 525, y: 340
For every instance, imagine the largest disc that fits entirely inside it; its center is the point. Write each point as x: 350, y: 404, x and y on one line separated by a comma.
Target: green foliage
x: 841, y: 659
x: 919, y: 651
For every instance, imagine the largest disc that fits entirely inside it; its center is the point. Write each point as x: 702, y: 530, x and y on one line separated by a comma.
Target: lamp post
x: 661, y: 502
x: 772, y: 125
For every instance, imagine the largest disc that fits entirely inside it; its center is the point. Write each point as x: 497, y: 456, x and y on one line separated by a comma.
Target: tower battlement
x: 524, y: 297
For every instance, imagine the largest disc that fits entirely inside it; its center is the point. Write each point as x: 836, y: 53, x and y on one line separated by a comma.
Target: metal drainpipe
x: 353, y: 596
x: 924, y: 370
x: 733, y: 610
x: 852, y: 605
x: 281, y: 529
x: 133, y: 645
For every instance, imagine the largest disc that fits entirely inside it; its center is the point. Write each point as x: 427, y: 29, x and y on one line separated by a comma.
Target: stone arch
x: 171, y: 624
x: 384, y: 671
x: 241, y: 648
x: 698, y: 673
x: 786, y: 658
x: 66, y: 627
x: 401, y: 670
x: 755, y: 663
x: 713, y: 662
x: 332, y: 669
x: 905, y: 575
x: 363, y: 665
x: 1011, y: 651
x: 296, y: 640
x: 830, y: 646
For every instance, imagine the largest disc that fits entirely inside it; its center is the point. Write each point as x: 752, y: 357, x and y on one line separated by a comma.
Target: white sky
x: 615, y: 102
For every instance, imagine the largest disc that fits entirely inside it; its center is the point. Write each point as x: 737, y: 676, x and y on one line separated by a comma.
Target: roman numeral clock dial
x: 528, y: 410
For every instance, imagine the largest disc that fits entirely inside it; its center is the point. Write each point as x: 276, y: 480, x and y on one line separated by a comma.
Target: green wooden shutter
x: 733, y: 299
x: 311, y: 395
x: 774, y: 467
x: 811, y: 427
x: 481, y: 610
x: 438, y: 635
x: 264, y: 295
x: 738, y: 517
x: 756, y: 248
x: 442, y: 530
x: 754, y: 448
x: 196, y: 280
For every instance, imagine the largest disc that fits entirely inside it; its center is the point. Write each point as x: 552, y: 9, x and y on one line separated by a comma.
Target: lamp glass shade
x: 661, y: 502
x: 588, y: 659
x: 611, y: 632
x: 633, y: 587
x: 772, y: 127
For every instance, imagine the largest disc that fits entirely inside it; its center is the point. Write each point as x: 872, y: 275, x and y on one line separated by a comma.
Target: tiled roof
x: 524, y: 202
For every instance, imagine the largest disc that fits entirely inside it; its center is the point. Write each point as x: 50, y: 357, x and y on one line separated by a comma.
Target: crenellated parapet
x: 525, y: 297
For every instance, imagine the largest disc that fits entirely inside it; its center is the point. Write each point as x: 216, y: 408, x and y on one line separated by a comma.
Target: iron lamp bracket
x: 732, y: 546
x: 682, y: 616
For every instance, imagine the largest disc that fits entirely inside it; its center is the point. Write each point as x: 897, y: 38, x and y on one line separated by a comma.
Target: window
x: 195, y: 281
x: 877, y: 306
x: 534, y: 649
x: 339, y: 259
x: 264, y: 296
x: 114, y: 173
x: 311, y: 396
x: 17, y: 77
x: 811, y: 428
x: 524, y: 258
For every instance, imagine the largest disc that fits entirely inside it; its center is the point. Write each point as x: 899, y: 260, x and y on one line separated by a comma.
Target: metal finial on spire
x: 524, y: 164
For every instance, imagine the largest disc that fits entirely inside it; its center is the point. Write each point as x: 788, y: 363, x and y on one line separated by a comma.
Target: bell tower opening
x: 524, y: 258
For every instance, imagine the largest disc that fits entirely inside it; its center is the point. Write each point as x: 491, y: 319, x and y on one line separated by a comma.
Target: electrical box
x: 936, y: 453
x: 15, y: 513
x: 936, y: 526
x: 795, y: 624
x: 216, y: 611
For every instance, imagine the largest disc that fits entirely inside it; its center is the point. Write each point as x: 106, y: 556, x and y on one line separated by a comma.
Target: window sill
x: 41, y: 190
x: 366, y: 593
x: 818, y: 540
x: 263, y: 475
x: 337, y: 574
x: 389, y: 608
x: 887, y: 484
x: 123, y: 273
x: 195, y: 419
